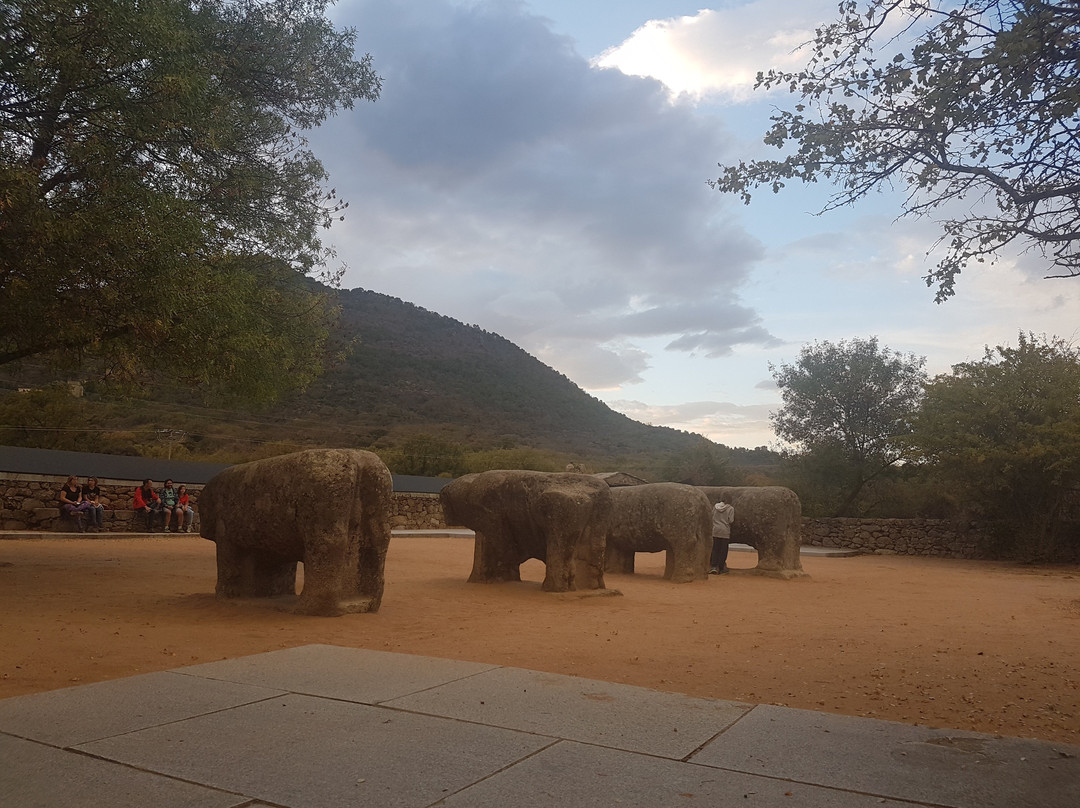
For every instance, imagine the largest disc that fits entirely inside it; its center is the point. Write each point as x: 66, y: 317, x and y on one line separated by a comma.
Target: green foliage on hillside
x: 431, y: 395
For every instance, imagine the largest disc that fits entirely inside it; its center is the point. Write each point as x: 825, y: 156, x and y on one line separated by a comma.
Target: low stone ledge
x: 924, y: 537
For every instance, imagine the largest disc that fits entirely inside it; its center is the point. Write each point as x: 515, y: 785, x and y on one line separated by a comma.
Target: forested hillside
x: 410, y: 382
x: 411, y: 368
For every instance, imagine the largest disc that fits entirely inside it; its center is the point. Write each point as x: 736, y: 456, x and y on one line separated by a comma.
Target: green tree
x: 702, y: 463
x: 955, y: 100
x: 158, y: 204
x: 425, y: 456
x: 48, y: 418
x: 849, y: 406
x: 1004, y: 433
x: 514, y: 458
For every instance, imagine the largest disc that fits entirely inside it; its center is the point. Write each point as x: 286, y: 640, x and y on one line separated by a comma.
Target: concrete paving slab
x: 350, y: 674
x: 434, y: 533
x: 806, y: 550
x: 458, y: 735
x: 572, y: 774
x: 306, y: 752
x: 886, y: 758
x: 38, y: 776
x: 621, y: 716
x: 75, y: 715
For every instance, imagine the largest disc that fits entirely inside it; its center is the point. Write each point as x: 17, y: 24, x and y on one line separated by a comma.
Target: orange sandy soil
x: 955, y: 644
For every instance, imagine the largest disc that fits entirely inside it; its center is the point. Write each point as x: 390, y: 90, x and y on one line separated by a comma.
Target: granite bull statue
x: 661, y: 517
x: 560, y: 519
x: 326, y: 508
x: 769, y: 519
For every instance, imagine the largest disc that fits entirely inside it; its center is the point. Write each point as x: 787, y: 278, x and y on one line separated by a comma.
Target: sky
x: 539, y: 169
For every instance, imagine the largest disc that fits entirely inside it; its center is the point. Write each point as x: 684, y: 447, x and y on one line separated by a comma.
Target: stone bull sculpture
x: 661, y: 517
x: 326, y: 508
x: 560, y: 519
x: 769, y: 519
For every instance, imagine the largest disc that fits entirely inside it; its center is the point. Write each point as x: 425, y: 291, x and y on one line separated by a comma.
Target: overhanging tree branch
x: 978, y: 99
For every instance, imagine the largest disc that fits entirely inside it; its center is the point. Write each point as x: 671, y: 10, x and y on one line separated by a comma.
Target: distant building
x: 615, y: 479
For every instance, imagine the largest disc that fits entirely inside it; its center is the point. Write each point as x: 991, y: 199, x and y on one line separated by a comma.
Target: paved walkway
x: 326, y: 727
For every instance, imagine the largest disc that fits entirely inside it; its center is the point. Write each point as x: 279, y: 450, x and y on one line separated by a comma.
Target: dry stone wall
x: 416, y: 512
x: 28, y: 502
x: 923, y: 537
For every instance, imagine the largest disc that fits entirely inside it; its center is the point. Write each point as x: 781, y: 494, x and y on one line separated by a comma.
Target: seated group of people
x: 81, y: 501
x: 162, y: 506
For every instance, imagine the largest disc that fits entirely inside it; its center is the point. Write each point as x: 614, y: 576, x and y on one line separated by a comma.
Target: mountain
x: 413, y: 371
x: 430, y: 394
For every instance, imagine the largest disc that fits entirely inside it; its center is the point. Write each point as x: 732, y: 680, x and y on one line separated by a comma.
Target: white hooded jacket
x: 722, y: 517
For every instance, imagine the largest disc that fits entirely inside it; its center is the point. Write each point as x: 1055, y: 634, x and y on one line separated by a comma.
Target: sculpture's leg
x: 780, y: 556
x: 271, y: 576
x: 326, y: 571
x: 590, y: 559
x: 231, y: 580
x: 245, y: 573
x: 372, y: 545
x: 618, y: 560
x: 559, y: 573
x: 674, y: 567
x: 688, y: 561
x: 370, y: 578
x: 494, y: 559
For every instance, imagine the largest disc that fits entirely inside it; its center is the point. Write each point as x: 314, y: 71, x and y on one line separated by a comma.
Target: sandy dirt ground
x: 955, y: 644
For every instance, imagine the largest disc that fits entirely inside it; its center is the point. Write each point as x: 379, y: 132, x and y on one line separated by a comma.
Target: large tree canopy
x: 850, y: 405
x: 972, y: 101
x: 1004, y: 433
x: 155, y: 187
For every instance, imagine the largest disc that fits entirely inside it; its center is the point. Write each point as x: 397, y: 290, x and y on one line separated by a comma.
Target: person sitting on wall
x: 72, y: 504
x: 170, y: 507
x: 183, y: 501
x: 91, y: 494
x: 147, y: 501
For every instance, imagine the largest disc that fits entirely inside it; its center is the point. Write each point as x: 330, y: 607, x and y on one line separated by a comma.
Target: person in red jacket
x: 147, y: 501
x: 184, y: 501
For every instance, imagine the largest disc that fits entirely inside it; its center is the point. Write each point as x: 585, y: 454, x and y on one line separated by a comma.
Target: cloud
x: 723, y: 422
x: 503, y: 180
x: 608, y: 367
x: 720, y: 51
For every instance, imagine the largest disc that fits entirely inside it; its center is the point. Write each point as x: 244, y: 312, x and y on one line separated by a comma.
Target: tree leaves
x: 851, y: 401
x: 1005, y: 432
x: 148, y: 150
x: 983, y: 105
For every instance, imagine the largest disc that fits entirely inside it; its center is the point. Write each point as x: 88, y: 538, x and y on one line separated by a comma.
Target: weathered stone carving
x: 561, y: 519
x: 325, y: 508
x: 661, y: 517
x: 769, y: 519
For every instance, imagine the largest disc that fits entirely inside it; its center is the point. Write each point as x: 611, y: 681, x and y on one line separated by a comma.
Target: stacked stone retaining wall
x: 28, y: 502
x: 923, y: 537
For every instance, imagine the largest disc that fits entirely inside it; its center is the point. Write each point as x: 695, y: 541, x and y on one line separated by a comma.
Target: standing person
x: 170, y: 507
x: 722, y: 517
x: 147, y: 501
x: 183, y: 500
x: 71, y: 502
x: 91, y: 493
